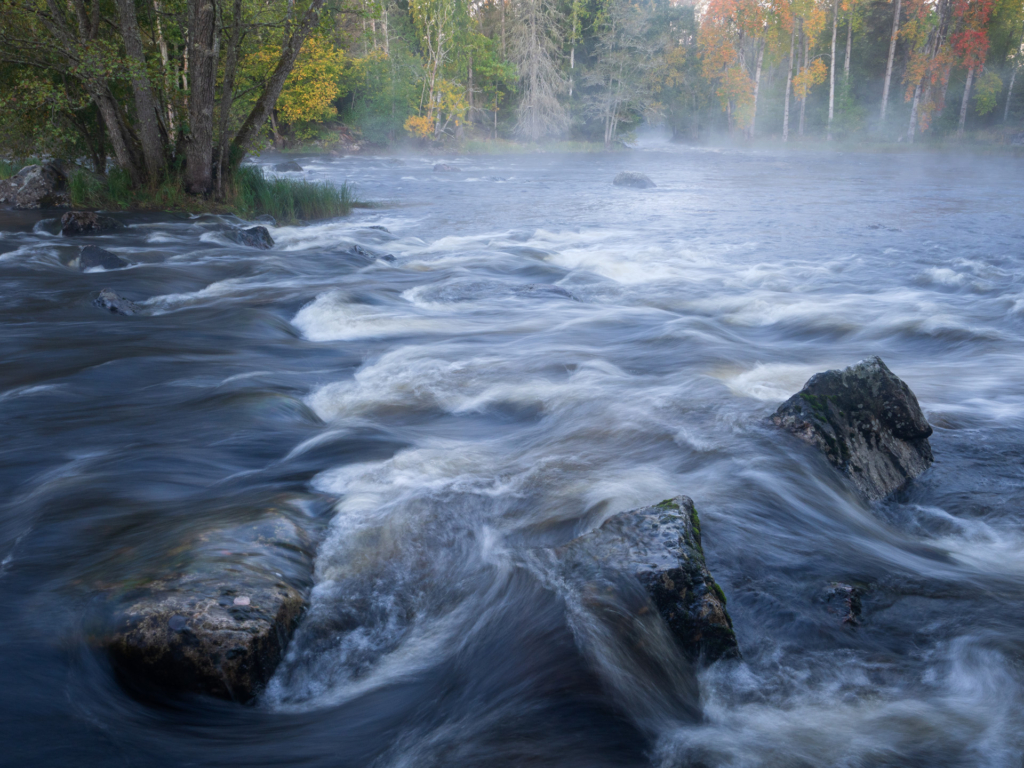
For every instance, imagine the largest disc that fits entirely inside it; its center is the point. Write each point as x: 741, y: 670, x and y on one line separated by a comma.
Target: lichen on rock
x: 866, y: 421
x: 218, y: 625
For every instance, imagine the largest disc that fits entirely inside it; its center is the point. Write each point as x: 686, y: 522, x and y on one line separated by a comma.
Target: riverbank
x: 249, y: 194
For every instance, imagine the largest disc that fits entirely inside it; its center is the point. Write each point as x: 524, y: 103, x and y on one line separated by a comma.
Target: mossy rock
x: 866, y: 421
x: 660, y: 547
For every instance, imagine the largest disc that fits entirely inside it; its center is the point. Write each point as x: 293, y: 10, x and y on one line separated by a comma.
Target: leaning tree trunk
x: 832, y: 70
x: 789, y: 84
x: 147, y: 112
x: 912, y: 128
x: 202, y: 33
x: 963, y: 103
x: 892, y: 53
x: 1009, y: 95
x: 272, y: 90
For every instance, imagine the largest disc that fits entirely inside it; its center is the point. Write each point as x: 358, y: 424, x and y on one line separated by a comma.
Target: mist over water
x: 544, y: 350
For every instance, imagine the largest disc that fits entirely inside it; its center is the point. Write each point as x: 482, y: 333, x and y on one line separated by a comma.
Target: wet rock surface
x: 660, y: 548
x: 84, y: 223
x: 632, y: 179
x: 254, y: 237
x: 116, y: 304
x: 36, y: 186
x: 866, y: 421
x: 446, y: 168
x: 92, y: 256
x: 844, y: 601
x: 288, y: 167
x: 219, y: 624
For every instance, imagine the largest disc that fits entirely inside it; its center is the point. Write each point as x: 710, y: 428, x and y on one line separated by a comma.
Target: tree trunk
x: 789, y: 84
x: 963, y: 103
x: 912, y: 128
x: 202, y: 35
x: 1009, y: 95
x: 147, y: 113
x: 849, y: 40
x: 757, y: 86
x: 165, y: 62
x: 803, y: 99
x: 261, y: 110
x: 832, y: 70
x: 227, y: 94
x: 888, y: 65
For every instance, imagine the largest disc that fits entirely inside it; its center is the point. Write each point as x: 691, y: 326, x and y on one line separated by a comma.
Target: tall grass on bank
x: 249, y: 193
x: 253, y: 193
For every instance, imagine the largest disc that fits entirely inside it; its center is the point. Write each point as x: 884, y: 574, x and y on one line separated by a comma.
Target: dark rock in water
x: 380, y: 227
x: 544, y: 289
x: 866, y: 421
x: 446, y: 168
x: 84, y: 223
x: 92, y: 256
x: 659, y: 547
x: 115, y: 304
x: 220, y: 625
x: 36, y: 186
x: 844, y: 600
x: 266, y: 218
x: 632, y: 179
x: 254, y: 237
x: 289, y: 167
x: 1017, y: 140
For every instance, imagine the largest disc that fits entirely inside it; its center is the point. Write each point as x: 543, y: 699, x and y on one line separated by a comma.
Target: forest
x: 159, y: 85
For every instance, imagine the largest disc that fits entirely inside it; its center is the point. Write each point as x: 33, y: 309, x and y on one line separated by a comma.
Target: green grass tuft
x: 250, y: 193
x: 287, y: 200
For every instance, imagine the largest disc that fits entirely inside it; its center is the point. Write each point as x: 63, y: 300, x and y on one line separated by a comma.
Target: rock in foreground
x: 84, y: 223
x: 219, y: 625
x: 866, y: 421
x: 36, y: 186
x: 116, y: 304
x: 92, y: 256
x: 660, y: 547
x: 632, y: 179
x: 254, y: 237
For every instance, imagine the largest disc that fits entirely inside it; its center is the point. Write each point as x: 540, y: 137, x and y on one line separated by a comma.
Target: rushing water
x: 544, y: 350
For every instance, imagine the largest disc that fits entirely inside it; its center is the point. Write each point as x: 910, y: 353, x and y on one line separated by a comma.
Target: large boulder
x: 91, y: 257
x: 660, y: 548
x: 288, y: 167
x: 85, y: 223
x: 219, y: 624
x: 116, y: 304
x: 254, y: 237
x: 633, y: 179
x: 866, y: 421
x: 36, y: 186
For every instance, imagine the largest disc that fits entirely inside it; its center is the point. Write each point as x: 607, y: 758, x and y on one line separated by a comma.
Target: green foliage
x: 986, y: 92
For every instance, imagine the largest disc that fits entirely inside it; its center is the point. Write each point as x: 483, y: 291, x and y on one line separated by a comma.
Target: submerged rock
x: 289, y: 167
x: 545, y: 289
x: 254, y: 237
x: 844, y: 600
x: 219, y: 625
x: 659, y: 547
x: 633, y: 179
x: 85, y: 222
x: 36, y: 186
x: 866, y: 421
x: 118, y: 305
x: 446, y: 168
x: 92, y: 256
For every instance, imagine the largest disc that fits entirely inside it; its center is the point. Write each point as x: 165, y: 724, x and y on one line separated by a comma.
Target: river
x: 543, y: 350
